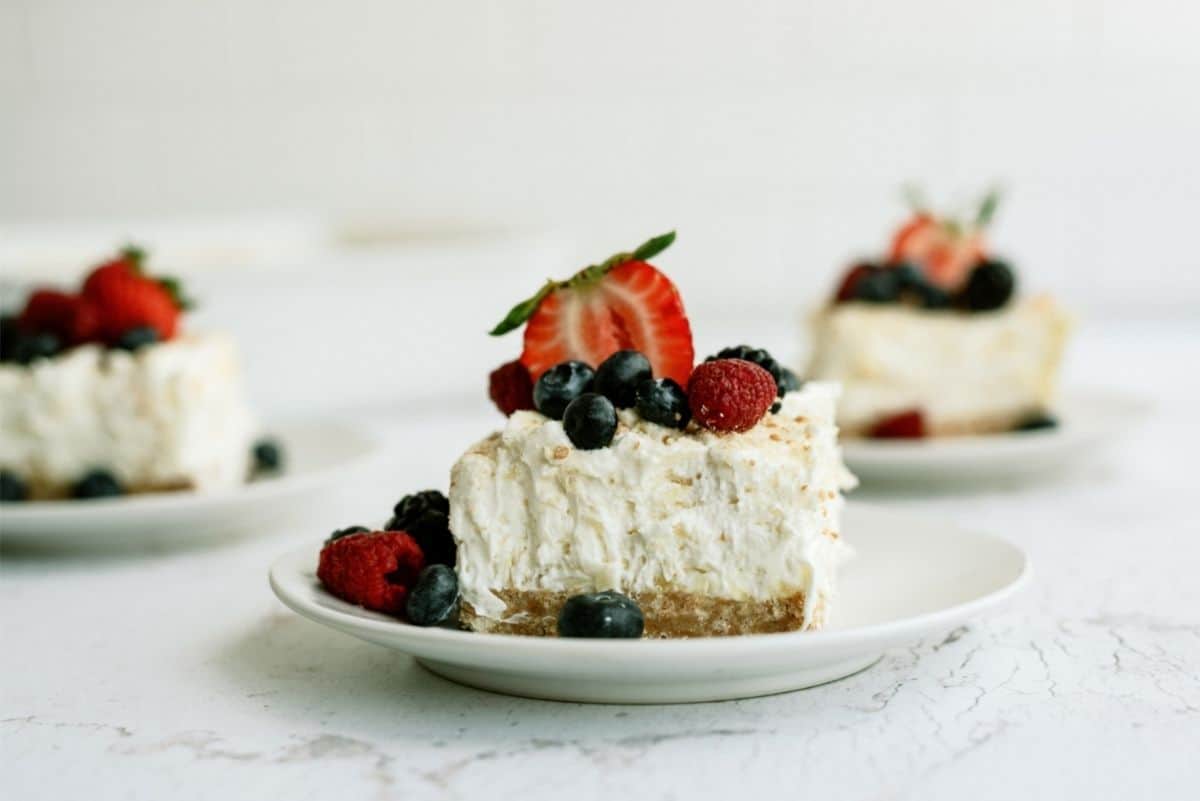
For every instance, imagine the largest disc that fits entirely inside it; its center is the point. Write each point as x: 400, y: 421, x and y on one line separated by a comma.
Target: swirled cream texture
x: 963, y: 371
x: 169, y: 415
x: 739, y: 516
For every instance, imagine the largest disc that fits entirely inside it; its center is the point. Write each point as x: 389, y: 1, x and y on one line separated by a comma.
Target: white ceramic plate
x: 1088, y: 419
x: 911, y: 578
x: 320, y: 456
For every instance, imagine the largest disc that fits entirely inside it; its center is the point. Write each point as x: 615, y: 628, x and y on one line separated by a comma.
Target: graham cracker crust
x: 668, y: 614
x: 42, y: 490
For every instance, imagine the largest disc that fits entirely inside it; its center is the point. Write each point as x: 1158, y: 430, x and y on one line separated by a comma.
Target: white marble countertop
x: 178, y: 675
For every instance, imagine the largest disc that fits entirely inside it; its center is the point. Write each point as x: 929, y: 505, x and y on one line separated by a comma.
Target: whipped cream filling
x: 754, y: 515
x: 956, y: 368
x: 167, y: 415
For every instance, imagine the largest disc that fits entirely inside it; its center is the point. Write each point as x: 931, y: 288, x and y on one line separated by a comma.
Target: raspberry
x: 905, y: 425
x: 730, y: 394
x: 373, y: 570
x: 511, y: 388
x: 848, y: 289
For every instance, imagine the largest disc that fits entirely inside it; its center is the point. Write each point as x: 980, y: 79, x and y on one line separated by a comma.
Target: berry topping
x: 98, y: 484
x: 434, y: 598
x: 372, y: 570
x: 71, y: 318
x: 664, y: 402
x: 905, y: 425
x: 944, y: 249
x: 990, y: 286
x: 759, y: 357
x: 1037, y: 422
x: 9, y: 332
x: 560, y: 385
x: 31, y: 347
x: 590, y: 421
x: 730, y: 394
x: 136, y: 338
x: 12, y: 487
x: 609, y: 615
x: 346, y: 532
x: 618, y: 377
x: 268, y: 456
x: 790, y: 381
x: 848, y: 289
x: 425, y: 516
x: 126, y: 298
x: 881, y: 285
x: 511, y: 388
x: 620, y: 304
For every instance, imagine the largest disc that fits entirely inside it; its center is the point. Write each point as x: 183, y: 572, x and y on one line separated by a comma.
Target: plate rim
x: 44, y: 513
x: 282, y: 573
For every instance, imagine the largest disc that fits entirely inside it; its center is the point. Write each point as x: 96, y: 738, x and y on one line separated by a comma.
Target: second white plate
x: 1088, y: 420
x: 911, y: 578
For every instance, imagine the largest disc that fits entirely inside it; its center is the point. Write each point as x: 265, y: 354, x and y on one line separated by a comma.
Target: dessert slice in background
x: 935, y: 339
x: 100, y: 393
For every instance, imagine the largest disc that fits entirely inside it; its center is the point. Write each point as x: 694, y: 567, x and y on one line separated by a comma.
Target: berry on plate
x: 623, y: 303
x: 511, y: 388
x: 560, y: 385
x: 904, y: 425
x: 374, y: 570
x: 618, y: 377
x: 608, y: 615
x: 425, y: 516
x: 268, y: 456
x: 433, y: 600
x: 730, y: 394
x: 664, y: 402
x: 12, y: 487
x: 590, y: 421
x: 1037, y: 422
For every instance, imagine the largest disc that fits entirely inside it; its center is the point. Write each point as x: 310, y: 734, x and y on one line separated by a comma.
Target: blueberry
x: 433, y: 600
x: 760, y: 357
x: 913, y: 287
x: 268, y: 456
x: 989, y: 286
x: 789, y: 380
x: 8, y: 338
x: 878, y: 286
x: 12, y: 487
x: 618, y: 377
x: 590, y: 421
x: 425, y: 516
x: 560, y: 385
x: 663, y: 402
x: 1037, y: 422
x: 346, y: 532
x: 136, y: 338
x: 98, y: 484
x: 601, y: 614
x: 31, y: 347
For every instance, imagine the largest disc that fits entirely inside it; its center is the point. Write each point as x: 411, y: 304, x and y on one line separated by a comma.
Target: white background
x: 774, y: 135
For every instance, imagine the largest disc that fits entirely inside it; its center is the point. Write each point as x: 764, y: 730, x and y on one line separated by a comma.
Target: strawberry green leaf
x: 135, y: 255
x: 518, y: 314
x: 652, y: 247
x: 987, y: 209
x: 174, y: 288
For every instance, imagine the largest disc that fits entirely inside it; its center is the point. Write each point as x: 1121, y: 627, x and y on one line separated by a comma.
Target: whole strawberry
x: 730, y: 394
x: 126, y: 298
x: 374, y: 570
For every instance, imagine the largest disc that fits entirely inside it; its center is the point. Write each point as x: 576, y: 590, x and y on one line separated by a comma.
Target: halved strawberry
x: 622, y: 303
x: 945, y: 250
